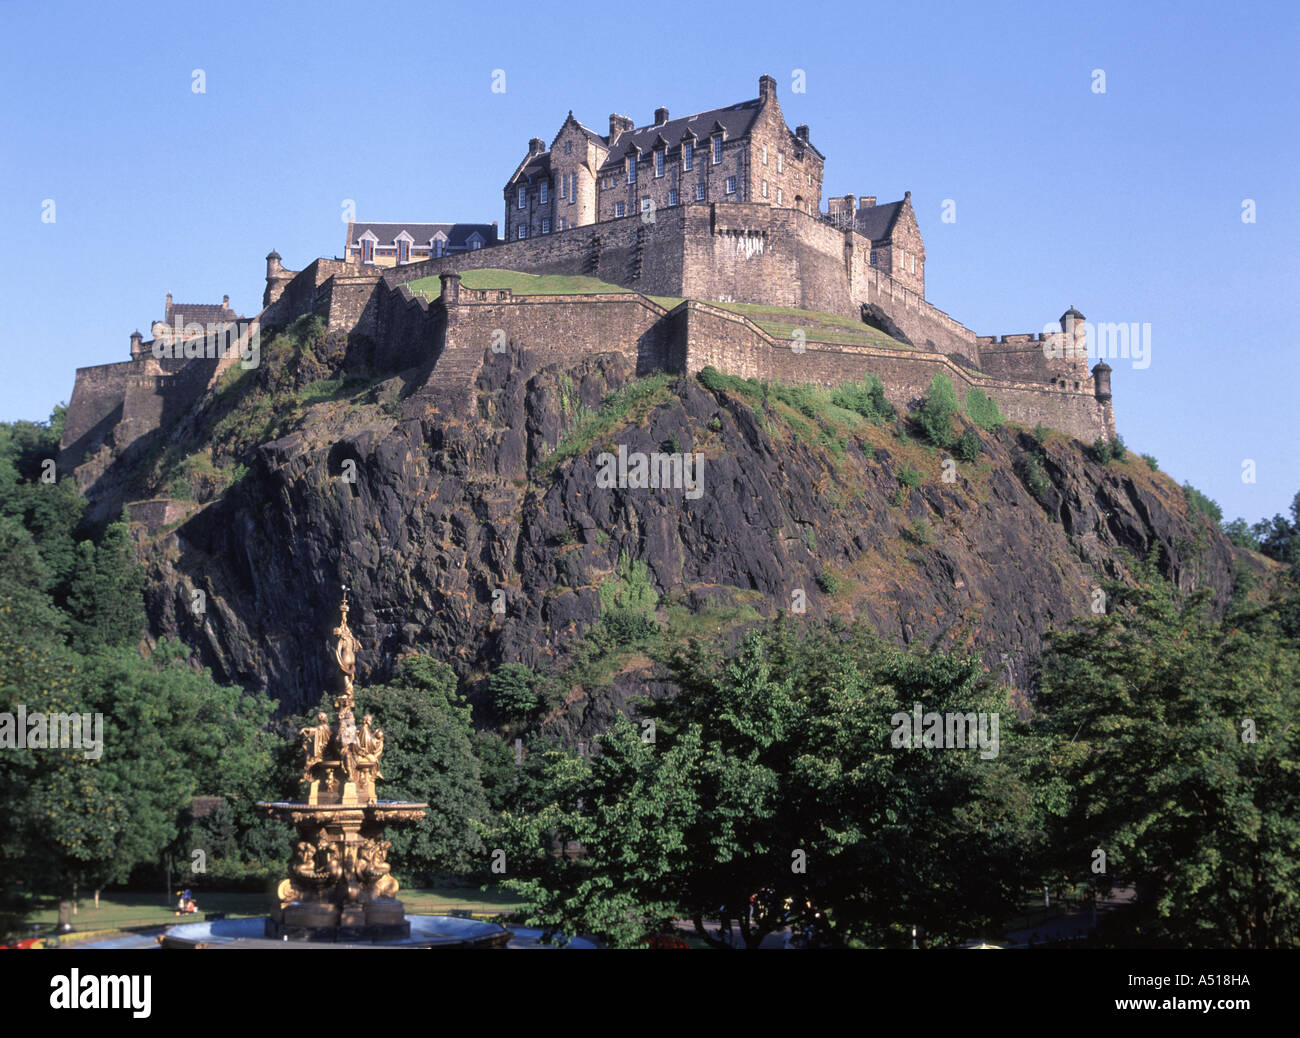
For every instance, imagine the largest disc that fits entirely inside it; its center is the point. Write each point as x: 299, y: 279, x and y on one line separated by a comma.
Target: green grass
x: 123, y: 910
x: 625, y: 407
x: 517, y: 282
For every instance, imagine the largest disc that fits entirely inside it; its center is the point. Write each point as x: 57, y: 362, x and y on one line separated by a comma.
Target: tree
x: 105, y: 592
x: 774, y: 758
x: 1168, y: 742
x: 934, y: 417
x: 428, y: 756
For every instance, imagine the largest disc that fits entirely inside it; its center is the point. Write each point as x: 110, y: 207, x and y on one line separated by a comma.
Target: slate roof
x: 736, y: 120
x: 200, y: 313
x: 457, y: 234
x: 877, y: 221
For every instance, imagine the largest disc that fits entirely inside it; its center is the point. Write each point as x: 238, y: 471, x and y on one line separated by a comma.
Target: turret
x: 1101, y: 380
x: 1076, y: 336
x: 137, y: 344
x: 276, y: 278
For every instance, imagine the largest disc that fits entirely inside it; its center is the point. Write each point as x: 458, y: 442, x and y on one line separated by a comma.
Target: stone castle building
x: 684, y: 220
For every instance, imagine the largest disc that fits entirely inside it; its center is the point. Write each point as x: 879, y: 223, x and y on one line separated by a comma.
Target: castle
x: 709, y: 235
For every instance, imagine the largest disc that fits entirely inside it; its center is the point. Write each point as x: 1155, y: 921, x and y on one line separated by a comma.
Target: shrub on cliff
x: 865, y: 397
x: 933, y: 419
x: 1198, y: 502
x: 982, y: 409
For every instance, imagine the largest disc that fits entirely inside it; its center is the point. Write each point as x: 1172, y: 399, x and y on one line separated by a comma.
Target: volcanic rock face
x: 463, y: 536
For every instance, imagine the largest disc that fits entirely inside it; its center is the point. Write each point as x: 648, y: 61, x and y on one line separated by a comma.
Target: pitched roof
x: 200, y: 313
x: 877, y: 221
x: 457, y: 234
x: 735, y: 119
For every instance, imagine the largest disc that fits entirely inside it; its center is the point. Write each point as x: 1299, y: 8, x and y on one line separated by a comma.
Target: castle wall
x: 94, y: 409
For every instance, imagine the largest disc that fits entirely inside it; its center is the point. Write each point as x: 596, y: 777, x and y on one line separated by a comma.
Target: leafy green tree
x: 933, y: 419
x: 105, y: 600
x: 513, y: 687
x: 1168, y: 741
x: 781, y: 753
x: 1239, y: 532
x: 428, y: 756
x: 982, y: 409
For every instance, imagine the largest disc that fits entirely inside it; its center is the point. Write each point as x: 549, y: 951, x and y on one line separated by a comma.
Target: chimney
x: 661, y: 116
x: 618, y: 125
x: 867, y: 201
x: 536, y: 146
x: 802, y: 133
x: 849, y: 201
x: 167, y: 307
x: 225, y: 302
x: 766, y: 88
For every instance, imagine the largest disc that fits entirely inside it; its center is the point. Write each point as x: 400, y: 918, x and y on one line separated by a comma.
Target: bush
x: 1239, y: 532
x: 919, y: 532
x: 1118, y: 449
x: 1102, y: 449
x: 909, y: 477
x: 968, y: 445
x: 1198, y: 502
x: 933, y: 419
x: 1040, y: 432
x: 1029, y: 467
x: 983, y: 410
x: 828, y: 581
x: 513, y: 687
x: 1152, y: 464
x: 628, y: 602
x: 866, y: 398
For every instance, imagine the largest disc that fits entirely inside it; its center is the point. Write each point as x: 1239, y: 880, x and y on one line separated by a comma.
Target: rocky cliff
x: 485, y: 538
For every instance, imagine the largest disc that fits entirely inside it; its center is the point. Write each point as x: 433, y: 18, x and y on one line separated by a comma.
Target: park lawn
x: 124, y: 910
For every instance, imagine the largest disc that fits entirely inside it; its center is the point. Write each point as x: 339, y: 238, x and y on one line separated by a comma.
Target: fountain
x: 340, y: 889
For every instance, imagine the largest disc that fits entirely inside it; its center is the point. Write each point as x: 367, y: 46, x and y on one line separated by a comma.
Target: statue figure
x: 370, y: 746
x: 316, y: 740
x: 375, y: 870
x: 345, y: 651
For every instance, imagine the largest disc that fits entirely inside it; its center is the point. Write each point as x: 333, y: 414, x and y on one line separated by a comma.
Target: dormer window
x: 403, y: 251
x: 438, y: 247
x: 367, y: 250
x: 659, y: 163
x: 717, y: 150
x: 688, y: 154
x: 631, y: 168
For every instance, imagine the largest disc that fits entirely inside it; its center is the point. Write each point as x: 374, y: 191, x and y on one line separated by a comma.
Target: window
x: 620, y: 209
x: 780, y: 197
x: 902, y: 259
x: 568, y: 147
x: 764, y: 154
x: 912, y: 260
x: 659, y: 163
x: 475, y: 244
x: 521, y: 197
x: 645, y: 203
x: 439, y: 246
x: 546, y: 225
x: 699, y: 191
x: 523, y: 232
x: 403, y: 251
x: 544, y: 193
x: 631, y: 169
x: 731, y: 185
x: 672, y: 196
x: 875, y: 257
x: 764, y: 188
x: 780, y: 162
x: 367, y: 251
x: 688, y: 154
x: 717, y: 150
x: 560, y: 225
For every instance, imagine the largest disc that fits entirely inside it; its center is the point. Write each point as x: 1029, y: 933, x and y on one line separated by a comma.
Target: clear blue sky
x: 1125, y: 204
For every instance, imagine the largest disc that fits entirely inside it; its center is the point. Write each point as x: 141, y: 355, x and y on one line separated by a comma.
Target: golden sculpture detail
x: 340, y: 882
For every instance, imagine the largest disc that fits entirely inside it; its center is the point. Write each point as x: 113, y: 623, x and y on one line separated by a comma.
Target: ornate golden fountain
x: 340, y: 886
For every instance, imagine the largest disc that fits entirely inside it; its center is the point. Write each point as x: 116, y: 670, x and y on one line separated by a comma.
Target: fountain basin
x: 426, y: 931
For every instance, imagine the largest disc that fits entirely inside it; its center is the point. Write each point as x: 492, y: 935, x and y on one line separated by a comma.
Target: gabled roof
x: 457, y: 234
x: 200, y: 313
x: 735, y: 120
x: 877, y: 221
